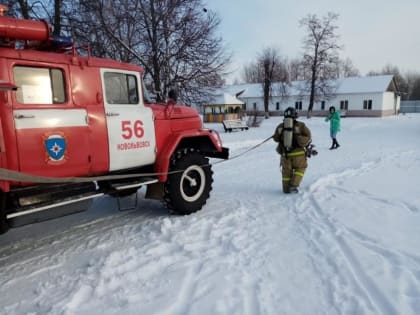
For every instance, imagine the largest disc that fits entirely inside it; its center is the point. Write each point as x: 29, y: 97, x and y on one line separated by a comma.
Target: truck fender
x: 195, y: 138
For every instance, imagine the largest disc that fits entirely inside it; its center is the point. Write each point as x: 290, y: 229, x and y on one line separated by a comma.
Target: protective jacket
x: 334, y: 120
x: 301, y: 138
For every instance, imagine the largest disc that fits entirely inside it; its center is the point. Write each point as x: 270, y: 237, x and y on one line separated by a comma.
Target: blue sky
x: 373, y: 32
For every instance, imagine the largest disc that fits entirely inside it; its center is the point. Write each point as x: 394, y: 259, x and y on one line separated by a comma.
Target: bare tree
x: 20, y: 8
x: 320, y: 56
x: 271, y: 71
x: 57, y: 17
x: 252, y: 73
x: 173, y: 40
x: 49, y: 10
x: 413, y: 86
x: 296, y: 70
x: 414, y: 93
x: 268, y: 60
x: 347, y: 69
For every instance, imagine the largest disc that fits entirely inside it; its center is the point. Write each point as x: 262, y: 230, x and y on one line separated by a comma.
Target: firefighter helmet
x: 290, y: 112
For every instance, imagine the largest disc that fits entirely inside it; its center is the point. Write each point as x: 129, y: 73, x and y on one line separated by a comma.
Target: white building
x: 354, y: 96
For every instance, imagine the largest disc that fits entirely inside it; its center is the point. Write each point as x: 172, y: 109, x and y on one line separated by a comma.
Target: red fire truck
x: 75, y: 127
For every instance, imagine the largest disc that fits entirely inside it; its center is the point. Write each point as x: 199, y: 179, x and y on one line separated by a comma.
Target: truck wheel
x: 187, y: 191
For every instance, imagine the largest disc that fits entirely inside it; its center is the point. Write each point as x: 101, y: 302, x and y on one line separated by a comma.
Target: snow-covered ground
x: 348, y: 243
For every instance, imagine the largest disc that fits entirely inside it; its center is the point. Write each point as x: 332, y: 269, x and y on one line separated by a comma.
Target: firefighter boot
x: 293, y: 190
x: 286, y: 187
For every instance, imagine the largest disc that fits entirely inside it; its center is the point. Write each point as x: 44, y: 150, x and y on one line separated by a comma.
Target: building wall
x: 391, y: 102
x: 249, y: 103
x: 379, y: 104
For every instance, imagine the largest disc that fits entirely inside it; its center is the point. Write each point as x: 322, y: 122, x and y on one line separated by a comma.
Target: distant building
x: 354, y: 96
x: 221, y: 107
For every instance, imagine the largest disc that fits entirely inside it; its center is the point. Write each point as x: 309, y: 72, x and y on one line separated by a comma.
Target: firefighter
x: 293, y: 137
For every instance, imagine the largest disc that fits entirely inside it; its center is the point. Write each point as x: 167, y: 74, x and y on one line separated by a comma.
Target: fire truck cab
x: 75, y: 127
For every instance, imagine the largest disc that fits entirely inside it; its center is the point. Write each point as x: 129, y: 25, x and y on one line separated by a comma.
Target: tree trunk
x: 313, y: 82
x: 24, y: 9
x: 267, y: 83
x: 57, y: 17
x: 311, y: 98
x: 266, y: 99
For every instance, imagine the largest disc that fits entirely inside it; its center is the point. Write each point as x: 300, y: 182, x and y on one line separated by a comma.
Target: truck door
x: 131, y: 132
x: 52, y: 135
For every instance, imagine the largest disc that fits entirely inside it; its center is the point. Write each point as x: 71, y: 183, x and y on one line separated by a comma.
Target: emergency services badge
x: 55, y: 147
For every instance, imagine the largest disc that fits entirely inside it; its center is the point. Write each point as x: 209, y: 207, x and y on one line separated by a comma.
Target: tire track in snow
x: 247, y: 283
x: 395, y: 265
x: 205, y: 262
x: 52, y: 251
x: 186, y: 292
x: 396, y: 256
x: 385, y: 201
x: 320, y: 230
x: 328, y: 245
x: 369, y: 289
x: 251, y: 292
x: 319, y: 254
x: 268, y: 227
x: 334, y: 178
x: 400, y: 269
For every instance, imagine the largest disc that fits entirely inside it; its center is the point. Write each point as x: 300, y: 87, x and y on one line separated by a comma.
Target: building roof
x: 225, y: 99
x: 350, y: 85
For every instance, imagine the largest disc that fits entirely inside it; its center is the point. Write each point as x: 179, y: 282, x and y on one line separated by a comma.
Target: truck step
x: 134, y: 184
x: 51, y: 210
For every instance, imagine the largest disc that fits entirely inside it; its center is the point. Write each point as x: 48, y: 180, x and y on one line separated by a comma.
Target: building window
x: 367, y: 104
x: 278, y: 106
x: 344, y: 105
x: 323, y: 105
x: 298, y: 105
x: 39, y: 85
x: 255, y: 106
x: 121, y: 88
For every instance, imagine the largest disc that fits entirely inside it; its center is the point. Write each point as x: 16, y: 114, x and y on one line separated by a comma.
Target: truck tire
x: 187, y: 191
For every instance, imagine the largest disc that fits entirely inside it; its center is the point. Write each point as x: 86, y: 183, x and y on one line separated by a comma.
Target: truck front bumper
x: 224, y: 154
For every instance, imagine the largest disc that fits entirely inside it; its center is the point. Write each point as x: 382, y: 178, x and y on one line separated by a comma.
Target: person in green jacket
x: 334, y: 118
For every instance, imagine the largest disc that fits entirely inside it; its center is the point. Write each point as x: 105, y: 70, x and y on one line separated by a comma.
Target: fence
x: 410, y: 107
